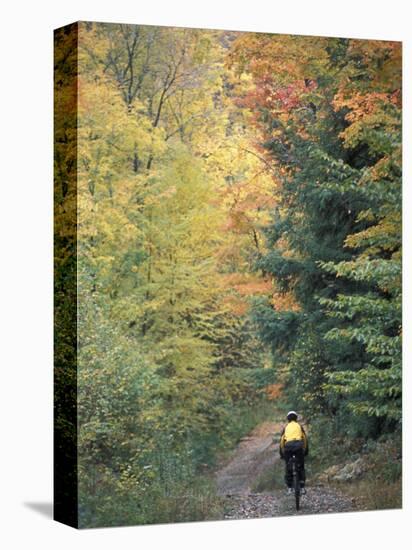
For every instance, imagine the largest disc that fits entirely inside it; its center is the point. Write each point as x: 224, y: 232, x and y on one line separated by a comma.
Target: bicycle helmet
x: 292, y: 415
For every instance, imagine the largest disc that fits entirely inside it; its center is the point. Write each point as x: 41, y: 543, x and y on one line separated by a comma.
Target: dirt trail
x: 255, y: 456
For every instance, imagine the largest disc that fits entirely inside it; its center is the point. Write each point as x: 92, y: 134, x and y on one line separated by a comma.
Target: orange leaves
x: 246, y: 284
x: 367, y: 111
x: 237, y: 306
x: 240, y: 287
x: 363, y: 104
x: 369, y: 88
x: 255, y: 287
x: 274, y: 391
x: 284, y: 302
x: 247, y: 202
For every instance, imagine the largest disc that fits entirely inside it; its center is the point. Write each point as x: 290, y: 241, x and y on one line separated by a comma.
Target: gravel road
x: 254, y: 456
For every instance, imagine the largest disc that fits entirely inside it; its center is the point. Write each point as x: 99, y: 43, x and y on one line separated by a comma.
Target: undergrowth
x: 379, y: 486
x: 181, y: 491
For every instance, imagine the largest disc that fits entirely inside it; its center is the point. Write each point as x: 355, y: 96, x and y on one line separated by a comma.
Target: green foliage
x: 335, y: 238
x: 379, y: 486
x: 180, y: 263
x: 169, y: 361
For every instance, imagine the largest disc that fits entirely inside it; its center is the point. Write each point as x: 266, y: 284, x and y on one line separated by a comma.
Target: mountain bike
x: 296, y: 479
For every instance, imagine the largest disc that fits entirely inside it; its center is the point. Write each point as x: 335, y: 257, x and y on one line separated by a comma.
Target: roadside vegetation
x: 238, y: 251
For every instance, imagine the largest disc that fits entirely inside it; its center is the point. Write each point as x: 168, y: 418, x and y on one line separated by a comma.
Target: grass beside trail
x: 379, y: 486
x: 271, y: 480
x: 200, y: 501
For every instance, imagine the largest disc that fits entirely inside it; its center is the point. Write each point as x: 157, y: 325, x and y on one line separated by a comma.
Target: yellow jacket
x: 293, y: 431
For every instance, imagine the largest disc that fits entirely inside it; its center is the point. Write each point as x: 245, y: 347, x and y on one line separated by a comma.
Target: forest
x: 237, y: 251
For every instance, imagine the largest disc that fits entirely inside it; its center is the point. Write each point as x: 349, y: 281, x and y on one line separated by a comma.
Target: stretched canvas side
x: 65, y: 274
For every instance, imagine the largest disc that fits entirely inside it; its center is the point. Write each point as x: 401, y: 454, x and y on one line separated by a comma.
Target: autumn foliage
x: 238, y: 235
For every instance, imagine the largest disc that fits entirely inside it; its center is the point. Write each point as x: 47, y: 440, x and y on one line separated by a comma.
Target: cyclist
x: 294, y: 440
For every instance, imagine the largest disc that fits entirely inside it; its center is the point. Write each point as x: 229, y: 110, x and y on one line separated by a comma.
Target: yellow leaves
x: 385, y: 235
x: 294, y: 56
x: 156, y: 231
x: 381, y: 60
x: 106, y: 123
x: 160, y: 197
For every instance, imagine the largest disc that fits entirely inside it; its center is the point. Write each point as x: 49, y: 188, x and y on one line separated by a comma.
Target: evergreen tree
x: 328, y: 114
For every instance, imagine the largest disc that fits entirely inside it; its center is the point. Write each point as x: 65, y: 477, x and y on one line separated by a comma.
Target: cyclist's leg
x: 288, y: 470
x: 301, y: 467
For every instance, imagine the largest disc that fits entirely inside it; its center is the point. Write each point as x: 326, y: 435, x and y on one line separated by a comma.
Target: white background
x: 26, y: 270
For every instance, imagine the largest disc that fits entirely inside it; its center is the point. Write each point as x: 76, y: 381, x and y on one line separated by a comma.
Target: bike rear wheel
x: 296, y: 487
